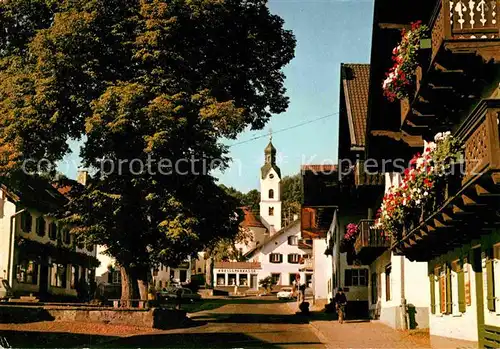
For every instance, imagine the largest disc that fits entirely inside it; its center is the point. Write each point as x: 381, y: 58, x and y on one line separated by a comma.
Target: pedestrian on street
x: 340, y: 304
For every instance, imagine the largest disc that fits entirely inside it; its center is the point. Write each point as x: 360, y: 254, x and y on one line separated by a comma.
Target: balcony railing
x: 470, y: 199
x: 370, y: 242
x: 363, y: 175
x: 459, y: 27
x: 307, y: 264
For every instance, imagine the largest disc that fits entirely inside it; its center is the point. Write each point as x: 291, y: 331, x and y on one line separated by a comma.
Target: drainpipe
x: 404, y: 319
x: 10, y: 275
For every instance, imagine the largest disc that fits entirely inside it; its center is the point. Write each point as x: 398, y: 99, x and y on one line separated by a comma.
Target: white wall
x: 280, y: 245
x: 322, y: 269
x: 8, y: 209
x: 265, y: 202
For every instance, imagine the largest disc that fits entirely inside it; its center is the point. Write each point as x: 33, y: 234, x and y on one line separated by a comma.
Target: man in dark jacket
x: 340, y: 304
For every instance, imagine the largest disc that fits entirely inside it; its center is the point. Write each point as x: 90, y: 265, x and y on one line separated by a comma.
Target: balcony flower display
x: 347, y: 242
x: 420, y: 185
x: 401, y: 76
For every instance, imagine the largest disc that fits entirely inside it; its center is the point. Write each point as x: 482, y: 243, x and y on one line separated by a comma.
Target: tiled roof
x: 355, y: 82
x: 250, y: 220
x: 237, y: 265
x: 319, y: 168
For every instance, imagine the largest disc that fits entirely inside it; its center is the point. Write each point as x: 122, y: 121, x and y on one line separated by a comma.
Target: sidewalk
x: 373, y: 334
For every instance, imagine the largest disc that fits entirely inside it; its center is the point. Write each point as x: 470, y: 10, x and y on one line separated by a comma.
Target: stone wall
x: 152, y: 318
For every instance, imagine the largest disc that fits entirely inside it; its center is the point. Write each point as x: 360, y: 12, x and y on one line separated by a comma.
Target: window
x: 66, y: 237
x: 199, y: 270
x: 309, y: 280
x: 52, y: 231
x: 271, y: 175
x: 231, y: 279
x: 160, y: 284
x: 388, y: 283
x: 26, y: 222
x: 271, y: 194
x: 117, y: 277
x: 293, y: 240
x: 74, y: 276
x: 243, y: 280
x: 271, y: 211
x: 90, y: 248
x: 275, y: 258
x: 27, y: 272
x: 221, y: 279
x: 40, y: 226
x: 356, y: 277
x: 276, y: 278
x: 183, y: 275
x: 172, y: 274
x: 291, y: 278
x: 294, y: 258
x: 58, y: 275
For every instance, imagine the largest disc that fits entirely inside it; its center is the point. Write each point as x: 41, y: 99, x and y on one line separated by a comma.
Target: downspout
x: 404, y: 315
x: 10, y: 275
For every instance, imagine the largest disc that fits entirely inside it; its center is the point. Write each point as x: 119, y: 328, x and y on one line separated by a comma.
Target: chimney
x: 81, y: 177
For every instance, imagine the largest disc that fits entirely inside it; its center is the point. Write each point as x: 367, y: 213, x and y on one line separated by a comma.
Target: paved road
x: 243, y: 323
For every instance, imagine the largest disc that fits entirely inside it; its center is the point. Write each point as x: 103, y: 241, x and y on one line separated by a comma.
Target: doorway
x: 253, y: 281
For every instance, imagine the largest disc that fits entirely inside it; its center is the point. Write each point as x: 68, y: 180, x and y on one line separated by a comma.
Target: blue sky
x: 328, y: 32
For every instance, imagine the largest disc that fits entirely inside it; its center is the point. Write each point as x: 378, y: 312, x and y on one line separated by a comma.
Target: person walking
x: 340, y: 304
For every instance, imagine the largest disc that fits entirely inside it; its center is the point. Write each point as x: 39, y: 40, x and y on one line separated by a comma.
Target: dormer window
x: 271, y: 194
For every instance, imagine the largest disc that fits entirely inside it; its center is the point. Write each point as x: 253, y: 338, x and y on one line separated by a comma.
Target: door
x: 44, y: 278
x: 253, y: 281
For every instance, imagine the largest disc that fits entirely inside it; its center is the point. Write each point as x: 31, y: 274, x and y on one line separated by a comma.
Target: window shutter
x: 433, y: 293
x: 270, y: 258
x: 281, y: 258
x: 348, y: 277
x: 289, y: 258
x: 490, y: 285
x: 449, y: 304
x: 442, y: 293
x: 461, y: 290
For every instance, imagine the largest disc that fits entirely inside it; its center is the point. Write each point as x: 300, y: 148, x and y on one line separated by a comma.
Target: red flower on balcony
x: 401, y: 76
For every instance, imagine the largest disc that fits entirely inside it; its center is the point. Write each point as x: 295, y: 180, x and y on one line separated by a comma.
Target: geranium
x: 419, y: 183
x: 351, y: 232
x: 401, y: 76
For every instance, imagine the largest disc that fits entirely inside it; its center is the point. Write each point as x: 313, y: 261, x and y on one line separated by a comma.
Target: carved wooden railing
x: 363, y: 175
x: 464, y: 19
x: 480, y: 134
x: 369, y: 237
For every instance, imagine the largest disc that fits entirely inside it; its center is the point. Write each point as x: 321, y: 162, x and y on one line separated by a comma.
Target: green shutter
x: 490, y: 286
x: 433, y: 293
x: 461, y: 290
x: 449, y: 304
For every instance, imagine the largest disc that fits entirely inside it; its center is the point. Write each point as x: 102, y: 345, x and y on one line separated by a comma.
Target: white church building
x: 274, y: 251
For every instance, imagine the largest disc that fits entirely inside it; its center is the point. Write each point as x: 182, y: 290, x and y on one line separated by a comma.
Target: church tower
x: 270, y: 191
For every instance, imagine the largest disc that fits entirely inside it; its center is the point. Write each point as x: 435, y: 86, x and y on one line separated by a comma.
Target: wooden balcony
x: 457, y: 67
x: 316, y: 220
x: 370, y: 242
x: 469, y: 208
x: 307, y: 265
x: 363, y: 176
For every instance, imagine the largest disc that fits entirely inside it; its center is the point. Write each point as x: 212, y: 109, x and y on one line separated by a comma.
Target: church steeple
x: 270, y: 190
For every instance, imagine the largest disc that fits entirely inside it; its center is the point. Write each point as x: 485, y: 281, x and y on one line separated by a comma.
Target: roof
x: 272, y: 237
x: 356, y: 82
x: 250, y: 220
x: 237, y: 265
x: 319, y: 168
x: 34, y: 192
x: 270, y: 148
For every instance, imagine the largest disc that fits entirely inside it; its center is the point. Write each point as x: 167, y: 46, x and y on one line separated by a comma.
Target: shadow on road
x: 32, y: 339
x: 195, y: 340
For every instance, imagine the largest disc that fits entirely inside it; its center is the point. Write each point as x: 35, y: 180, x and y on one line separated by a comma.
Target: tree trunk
x: 129, y: 286
x: 208, y: 272
x: 143, y: 283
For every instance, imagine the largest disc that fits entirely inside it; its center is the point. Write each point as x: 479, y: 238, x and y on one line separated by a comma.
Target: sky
x: 328, y: 32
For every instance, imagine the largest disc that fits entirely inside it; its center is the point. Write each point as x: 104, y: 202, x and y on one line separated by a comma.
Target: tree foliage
x: 141, y: 80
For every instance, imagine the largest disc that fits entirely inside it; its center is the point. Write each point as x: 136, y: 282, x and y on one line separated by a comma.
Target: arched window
x: 271, y: 211
x: 271, y: 194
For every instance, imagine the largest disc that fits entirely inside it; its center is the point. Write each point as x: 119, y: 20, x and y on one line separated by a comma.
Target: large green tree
x: 153, y: 86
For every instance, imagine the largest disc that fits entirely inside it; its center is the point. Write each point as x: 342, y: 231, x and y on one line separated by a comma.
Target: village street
x: 226, y: 323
